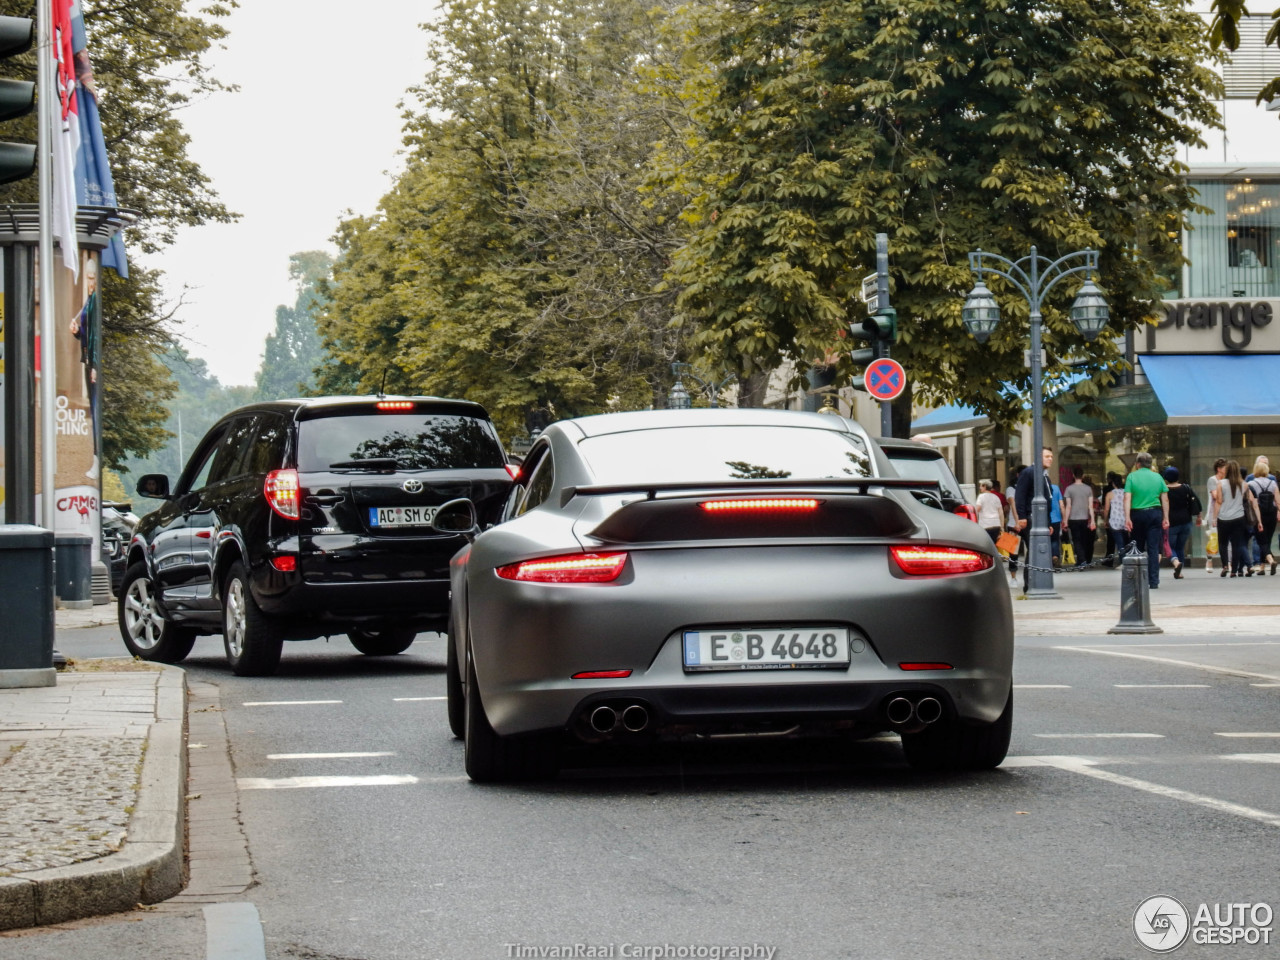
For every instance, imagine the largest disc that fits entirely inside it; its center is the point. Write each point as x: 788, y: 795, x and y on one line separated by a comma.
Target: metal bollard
x: 1135, y: 595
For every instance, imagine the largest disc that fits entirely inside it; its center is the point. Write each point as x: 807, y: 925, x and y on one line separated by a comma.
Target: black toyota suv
x: 297, y: 519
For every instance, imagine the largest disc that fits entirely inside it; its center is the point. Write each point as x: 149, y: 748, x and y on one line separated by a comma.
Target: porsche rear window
x: 414, y: 441
x: 715, y: 453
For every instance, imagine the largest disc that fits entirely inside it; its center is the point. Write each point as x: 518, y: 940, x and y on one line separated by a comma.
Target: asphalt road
x: 1123, y: 784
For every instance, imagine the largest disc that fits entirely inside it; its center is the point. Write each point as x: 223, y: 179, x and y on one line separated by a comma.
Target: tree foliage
x: 148, y: 60
x: 518, y: 260
x: 293, y: 350
x: 1224, y: 32
x: 993, y: 124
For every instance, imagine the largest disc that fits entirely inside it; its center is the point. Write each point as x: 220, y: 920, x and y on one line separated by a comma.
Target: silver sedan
x: 689, y: 574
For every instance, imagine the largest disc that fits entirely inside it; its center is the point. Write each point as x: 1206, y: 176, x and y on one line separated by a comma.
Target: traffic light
x: 17, y: 99
x: 879, y: 330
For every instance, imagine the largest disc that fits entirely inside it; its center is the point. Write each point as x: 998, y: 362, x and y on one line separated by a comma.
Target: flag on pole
x: 66, y: 137
x: 94, y: 185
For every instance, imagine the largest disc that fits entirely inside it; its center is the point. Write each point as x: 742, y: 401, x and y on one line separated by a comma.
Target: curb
x: 150, y: 866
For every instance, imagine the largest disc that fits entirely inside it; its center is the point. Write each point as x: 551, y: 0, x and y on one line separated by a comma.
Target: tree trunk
x: 751, y: 390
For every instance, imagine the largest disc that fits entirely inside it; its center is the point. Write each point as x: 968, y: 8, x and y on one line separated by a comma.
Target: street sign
x: 885, y: 379
x: 870, y: 289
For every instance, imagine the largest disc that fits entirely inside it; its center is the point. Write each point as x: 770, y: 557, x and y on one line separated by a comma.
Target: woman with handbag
x: 1236, y: 513
x: 990, y: 512
x: 1266, y: 493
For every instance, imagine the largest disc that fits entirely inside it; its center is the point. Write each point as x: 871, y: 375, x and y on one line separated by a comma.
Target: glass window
x: 414, y: 441
x: 1234, y: 249
x: 713, y: 453
x: 266, y: 451
x: 540, y: 484
x: 229, y: 459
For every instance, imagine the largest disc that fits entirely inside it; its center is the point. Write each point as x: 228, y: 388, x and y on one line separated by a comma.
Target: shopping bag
x: 1211, y: 543
x: 1166, y: 551
x: 1009, y: 542
x: 1068, y: 555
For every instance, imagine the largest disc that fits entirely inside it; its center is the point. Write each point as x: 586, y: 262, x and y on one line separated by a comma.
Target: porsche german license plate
x: 767, y: 648
x: 401, y: 516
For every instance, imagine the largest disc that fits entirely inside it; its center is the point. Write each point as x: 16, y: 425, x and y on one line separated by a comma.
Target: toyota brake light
x: 570, y: 568
x: 761, y: 505
x: 281, y: 489
x: 939, y: 561
x: 391, y: 405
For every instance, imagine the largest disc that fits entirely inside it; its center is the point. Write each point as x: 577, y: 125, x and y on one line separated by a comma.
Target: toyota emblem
x: 412, y: 486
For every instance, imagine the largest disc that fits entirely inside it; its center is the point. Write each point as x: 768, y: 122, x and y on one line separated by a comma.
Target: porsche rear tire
x: 492, y: 758
x: 951, y: 745
x: 457, y: 700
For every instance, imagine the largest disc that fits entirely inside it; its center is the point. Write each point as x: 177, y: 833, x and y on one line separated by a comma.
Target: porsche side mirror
x: 457, y: 517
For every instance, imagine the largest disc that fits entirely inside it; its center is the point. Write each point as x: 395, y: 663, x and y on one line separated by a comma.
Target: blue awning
x: 1216, y: 388
x: 950, y: 417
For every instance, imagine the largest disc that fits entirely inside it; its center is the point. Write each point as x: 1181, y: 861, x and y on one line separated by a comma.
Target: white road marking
x: 1253, y: 757
x: 1100, y: 736
x: 1229, y: 671
x: 1089, y: 769
x: 295, y: 783
x: 1247, y: 734
x: 411, y: 699
x: 325, y: 756
x: 1161, y: 686
x: 1264, y: 684
x: 284, y: 703
x: 1042, y: 686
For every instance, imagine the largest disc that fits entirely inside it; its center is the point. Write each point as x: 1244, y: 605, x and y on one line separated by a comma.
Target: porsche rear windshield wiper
x: 369, y: 463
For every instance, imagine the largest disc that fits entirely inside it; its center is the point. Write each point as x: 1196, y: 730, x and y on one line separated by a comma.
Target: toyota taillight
x: 281, y: 490
x: 760, y: 505
x: 569, y: 568
x: 939, y: 561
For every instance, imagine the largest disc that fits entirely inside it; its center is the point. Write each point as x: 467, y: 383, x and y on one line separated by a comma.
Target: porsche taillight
x: 968, y: 511
x: 281, y: 489
x: 569, y: 568
x: 939, y: 561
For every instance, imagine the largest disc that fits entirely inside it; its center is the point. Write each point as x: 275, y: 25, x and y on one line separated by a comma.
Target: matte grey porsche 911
x: 721, y: 572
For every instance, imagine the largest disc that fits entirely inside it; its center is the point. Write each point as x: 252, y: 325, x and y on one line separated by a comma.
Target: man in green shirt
x: 1146, y: 512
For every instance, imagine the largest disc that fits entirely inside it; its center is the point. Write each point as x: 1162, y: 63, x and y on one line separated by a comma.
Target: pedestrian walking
x: 990, y: 513
x: 1080, y: 510
x: 1235, y: 509
x: 1184, y: 510
x: 1264, y: 489
x: 1113, y: 506
x: 1010, y: 496
x: 1146, y: 512
x: 1023, y: 495
x: 1212, y: 535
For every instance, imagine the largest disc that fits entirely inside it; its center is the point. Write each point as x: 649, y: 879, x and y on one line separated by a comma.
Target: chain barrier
x: 1111, y: 562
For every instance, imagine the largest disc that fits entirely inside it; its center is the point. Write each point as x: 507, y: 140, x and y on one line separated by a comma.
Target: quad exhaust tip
x: 635, y: 718
x: 901, y: 712
x: 604, y: 719
x: 928, y: 710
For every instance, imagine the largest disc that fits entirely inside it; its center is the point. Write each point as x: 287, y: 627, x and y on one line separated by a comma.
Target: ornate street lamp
x: 1034, y: 276
x: 679, y: 399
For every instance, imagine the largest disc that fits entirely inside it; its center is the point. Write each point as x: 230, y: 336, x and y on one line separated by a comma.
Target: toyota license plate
x: 767, y: 648
x: 401, y: 516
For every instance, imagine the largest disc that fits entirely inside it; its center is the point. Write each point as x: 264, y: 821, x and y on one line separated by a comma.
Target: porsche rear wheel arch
x: 490, y: 757
x: 455, y: 695
x: 952, y: 744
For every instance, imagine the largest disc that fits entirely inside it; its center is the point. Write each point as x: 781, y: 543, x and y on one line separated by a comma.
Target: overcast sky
x: 313, y: 132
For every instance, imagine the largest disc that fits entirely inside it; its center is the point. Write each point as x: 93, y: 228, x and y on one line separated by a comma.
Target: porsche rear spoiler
x: 651, y: 490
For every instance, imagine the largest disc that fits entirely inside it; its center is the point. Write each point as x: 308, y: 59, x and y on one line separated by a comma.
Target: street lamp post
x: 1034, y: 276
x: 679, y: 399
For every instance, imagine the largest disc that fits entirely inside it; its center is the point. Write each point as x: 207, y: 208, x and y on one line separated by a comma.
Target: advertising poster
x: 77, y: 416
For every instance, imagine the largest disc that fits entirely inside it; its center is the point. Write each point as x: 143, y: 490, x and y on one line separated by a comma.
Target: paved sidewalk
x: 92, y: 780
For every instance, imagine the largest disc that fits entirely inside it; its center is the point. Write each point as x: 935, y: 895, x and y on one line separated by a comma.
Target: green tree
x: 950, y: 126
x: 293, y: 350
x: 148, y: 61
x: 1224, y: 32
x: 518, y: 260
